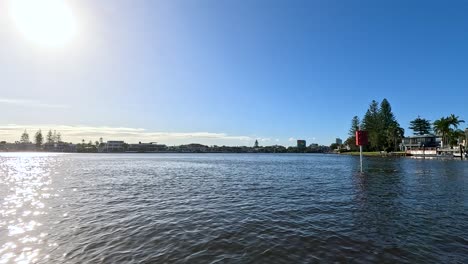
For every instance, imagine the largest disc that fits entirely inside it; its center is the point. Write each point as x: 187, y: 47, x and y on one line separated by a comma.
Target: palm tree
x: 455, y: 133
x: 456, y: 136
x: 400, y: 133
x: 454, y: 121
x: 442, y: 128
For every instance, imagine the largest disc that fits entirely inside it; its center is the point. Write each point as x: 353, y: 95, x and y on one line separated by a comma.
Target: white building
x: 113, y: 146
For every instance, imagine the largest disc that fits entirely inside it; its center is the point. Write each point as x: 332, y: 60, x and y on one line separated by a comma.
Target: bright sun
x: 46, y: 22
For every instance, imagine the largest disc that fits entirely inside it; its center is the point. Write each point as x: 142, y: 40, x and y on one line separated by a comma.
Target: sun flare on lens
x: 45, y: 22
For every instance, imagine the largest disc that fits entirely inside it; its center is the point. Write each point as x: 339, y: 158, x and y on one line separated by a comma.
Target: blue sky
x: 227, y: 72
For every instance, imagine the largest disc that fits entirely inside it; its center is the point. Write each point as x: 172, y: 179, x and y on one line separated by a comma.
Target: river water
x: 231, y: 208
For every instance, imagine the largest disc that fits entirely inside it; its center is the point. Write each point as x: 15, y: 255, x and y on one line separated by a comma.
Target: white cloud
x: 291, y: 139
x: 12, y: 132
x: 30, y: 103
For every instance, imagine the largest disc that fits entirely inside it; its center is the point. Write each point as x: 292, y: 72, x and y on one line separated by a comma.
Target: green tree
x: 385, y: 113
x: 58, y: 137
x: 54, y: 136
x: 351, y: 143
x: 390, y: 133
x: 372, y: 124
x: 455, y: 121
x: 25, y: 137
x: 394, y: 134
x: 389, y: 126
x: 39, y: 138
x: 351, y: 140
x: 50, y: 137
x: 443, y: 128
x: 355, y: 124
x: 382, y: 127
x: 456, y: 136
x: 334, y: 146
x: 420, y: 126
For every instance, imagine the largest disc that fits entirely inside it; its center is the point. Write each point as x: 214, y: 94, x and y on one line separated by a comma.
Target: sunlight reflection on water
x: 242, y: 208
x: 24, y: 186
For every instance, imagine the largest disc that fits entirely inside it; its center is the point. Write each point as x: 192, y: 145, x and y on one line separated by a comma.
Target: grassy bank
x: 374, y: 154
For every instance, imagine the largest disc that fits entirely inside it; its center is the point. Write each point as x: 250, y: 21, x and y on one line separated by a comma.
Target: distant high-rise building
x: 339, y: 141
x: 301, y: 143
x: 256, y: 144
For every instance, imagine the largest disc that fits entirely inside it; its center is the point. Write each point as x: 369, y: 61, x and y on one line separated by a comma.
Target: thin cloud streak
x: 30, y: 103
x: 12, y: 132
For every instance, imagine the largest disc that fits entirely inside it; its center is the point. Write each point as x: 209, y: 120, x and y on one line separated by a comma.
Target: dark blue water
x: 233, y: 208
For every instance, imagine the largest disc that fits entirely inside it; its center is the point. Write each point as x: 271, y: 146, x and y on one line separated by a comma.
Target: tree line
x: 385, y: 133
x: 54, y: 137
x: 51, y: 137
x: 445, y: 127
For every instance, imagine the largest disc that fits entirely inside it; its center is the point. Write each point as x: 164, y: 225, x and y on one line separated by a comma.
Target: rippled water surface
x: 233, y: 208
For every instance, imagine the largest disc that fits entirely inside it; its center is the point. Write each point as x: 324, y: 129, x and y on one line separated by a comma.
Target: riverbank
x: 376, y: 154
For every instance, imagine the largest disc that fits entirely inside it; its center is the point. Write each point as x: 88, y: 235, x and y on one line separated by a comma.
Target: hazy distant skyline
x: 229, y: 72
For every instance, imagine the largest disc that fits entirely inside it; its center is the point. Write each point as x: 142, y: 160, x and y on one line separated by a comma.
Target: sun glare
x: 46, y: 22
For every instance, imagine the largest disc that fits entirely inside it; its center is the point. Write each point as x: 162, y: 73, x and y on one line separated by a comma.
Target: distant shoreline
x: 171, y: 152
x: 376, y: 154
x: 365, y: 154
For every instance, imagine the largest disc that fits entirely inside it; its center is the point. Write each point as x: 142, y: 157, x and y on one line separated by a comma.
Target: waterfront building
x: 339, y: 141
x: 428, y: 141
x: 146, y: 147
x: 301, y: 144
x: 112, y: 146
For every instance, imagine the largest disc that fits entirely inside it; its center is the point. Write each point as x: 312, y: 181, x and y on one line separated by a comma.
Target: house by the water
x: 427, y: 146
x: 423, y: 141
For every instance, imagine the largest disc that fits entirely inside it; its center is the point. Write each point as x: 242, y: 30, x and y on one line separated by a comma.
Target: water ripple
x: 199, y: 208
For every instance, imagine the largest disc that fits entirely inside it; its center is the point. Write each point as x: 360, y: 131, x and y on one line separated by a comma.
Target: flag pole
x: 360, y: 156
x: 360, y: 152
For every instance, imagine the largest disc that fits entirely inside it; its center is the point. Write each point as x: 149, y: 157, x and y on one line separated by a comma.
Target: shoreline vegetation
x: 177, y: 151
x: 54, y: 143
x: 384, y: 132
x: 347, y: 153
x: 386, y: 135
x: 375, y: 154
